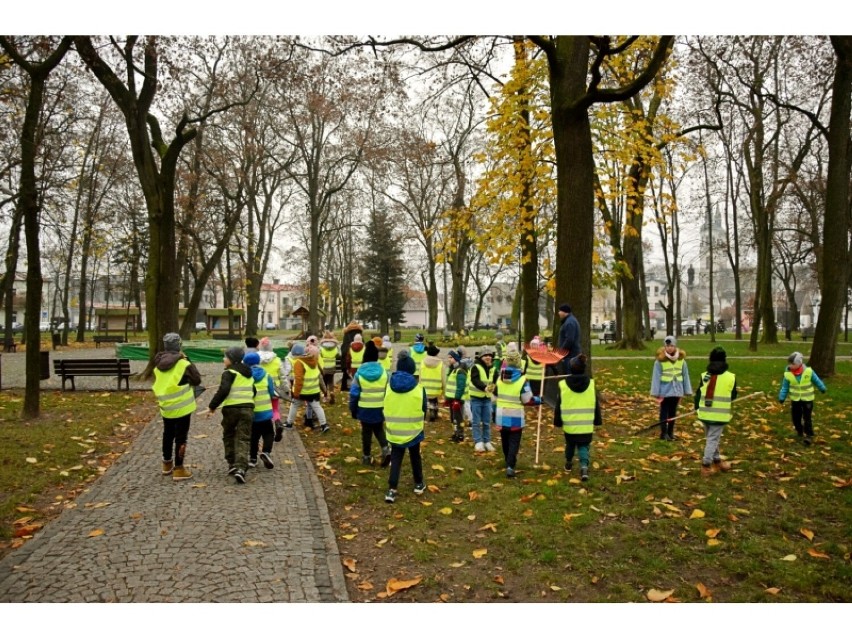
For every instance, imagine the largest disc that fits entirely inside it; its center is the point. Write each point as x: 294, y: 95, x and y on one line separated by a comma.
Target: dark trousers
x: 261, y: 430
x: 397, y: 453
x: 368, y: 431
x: 801, y: 413
x: 668, y: 411
x: 175, y: 433
x: 510, y: 441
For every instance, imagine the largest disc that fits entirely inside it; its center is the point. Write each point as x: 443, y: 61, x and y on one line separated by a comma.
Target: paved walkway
x: 206, y: 539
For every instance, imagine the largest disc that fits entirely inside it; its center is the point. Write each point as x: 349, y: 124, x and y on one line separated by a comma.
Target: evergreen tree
x: 382, y: 275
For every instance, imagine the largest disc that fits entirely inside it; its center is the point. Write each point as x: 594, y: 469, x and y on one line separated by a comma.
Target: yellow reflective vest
x: 418, y: 360
x: 262, y: 398
x: 431, y: 378
x: 451, y: 385
x: 403, y: 415
x: 720, y: 407
x: 801, y: 390
x: 242, y: 391
x: 372, y: 393
x: 534, y: 370
x: 671, y: 371
x: 577, y: 409
x: 174, y: 400
x: 311, y: 380
x: 356, y: 358
x: 328, y: 357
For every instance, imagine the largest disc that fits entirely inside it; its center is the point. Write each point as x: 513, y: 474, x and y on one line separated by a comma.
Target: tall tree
x: 38, y: 73
x: 576, y: 68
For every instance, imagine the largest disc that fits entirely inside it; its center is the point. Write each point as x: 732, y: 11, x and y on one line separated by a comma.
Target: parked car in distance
x: 270, y: 326
x: 44, y: 327
x: 17, y: 327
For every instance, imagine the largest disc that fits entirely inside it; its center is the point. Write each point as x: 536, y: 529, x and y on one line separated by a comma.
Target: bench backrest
x: 91, y: 366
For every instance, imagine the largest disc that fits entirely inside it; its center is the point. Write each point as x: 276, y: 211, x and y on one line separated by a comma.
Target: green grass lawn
x: 776, y: 528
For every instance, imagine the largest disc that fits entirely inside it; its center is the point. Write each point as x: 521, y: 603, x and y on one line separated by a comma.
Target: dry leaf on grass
x: 499, y: 579
x: 813, y: 552
x: 479, y: 553
x: 712, y: 533
x: 703, y: 592
x: 697, y: 514
x: 789, y: 558
x: 446, y: 511
x: 395, y: 585
x: 365, y: 585
x: 807, y: 533
x: 658, y: 595
x: 350, y: 564
x: 491, y: 527
x: 773, y: 591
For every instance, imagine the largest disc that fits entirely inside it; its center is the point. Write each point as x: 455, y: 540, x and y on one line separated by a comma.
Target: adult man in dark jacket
x: 569, y: 336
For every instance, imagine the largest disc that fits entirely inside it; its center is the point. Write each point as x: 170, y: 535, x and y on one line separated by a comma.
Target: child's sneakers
x: 279, y: 431
x: 489, y: 447
x: 419, y: 488
x: 706, y: 470
x: 267, y: 461
x: 240, y: 476
x: 568, y: 466
x: 252, y: 463
x: 584, y: 473
x: 325, y: 428
x: 722, y: 465
x: 390, y: 496
x: 386, y: 456
x: 510, y: 472
x: 480, y: 447
x: 366, y: 460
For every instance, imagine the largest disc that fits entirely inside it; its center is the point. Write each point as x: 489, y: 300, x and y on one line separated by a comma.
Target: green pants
x: 236, y: 435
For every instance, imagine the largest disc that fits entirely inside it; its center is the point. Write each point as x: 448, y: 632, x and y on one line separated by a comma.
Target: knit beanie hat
x: 251, y: 359
x: 796, y: 359
x: 670, y: 340
x: 298, y: 349
x: 405, y: 364
x: 433, y: 350
x: 358, y: 338
x: 312, y: 339
x: 252, y: 342
x: 311, y: 350
x: 371, y: 353
x: 718, y: 354
x: 578, y: 364
x: 465, y: 364
x: 377, y: 341
x: 565, y: 308
x: 455, y: 356
x: 265, y: 345
x: 513, y: 358
x: 172, y: 342
x: 235, y: 354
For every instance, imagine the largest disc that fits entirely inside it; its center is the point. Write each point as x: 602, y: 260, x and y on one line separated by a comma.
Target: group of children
x: 392, y: 406
x: 717, y: 391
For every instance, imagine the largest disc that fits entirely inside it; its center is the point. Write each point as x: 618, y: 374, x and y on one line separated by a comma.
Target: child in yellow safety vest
x: 798, y: 384
x: 716, y: 391
x: 432, y: 379
x: 308, y: 385
x: 577, y: 412
x: 670, y: 382
x: 261, y: 424
x: 329, y: 352
x: 175, y: 378
x: 513, y: 393
x: 404, y: 410
x: 236, y: 397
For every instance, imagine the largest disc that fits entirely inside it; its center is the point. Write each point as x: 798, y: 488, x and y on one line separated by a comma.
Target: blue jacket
x: 257, y: 374
x: 402, y: 382
x: 569, y: 336
x: 785, y: 385
x: 419, y: 347
x: 371, y: 371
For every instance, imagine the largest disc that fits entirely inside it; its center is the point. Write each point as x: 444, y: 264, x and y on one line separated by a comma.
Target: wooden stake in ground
x: 544, y: 356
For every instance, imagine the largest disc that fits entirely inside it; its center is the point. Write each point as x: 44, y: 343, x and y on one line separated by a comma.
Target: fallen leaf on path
x: 251, y: 543
x: 96, y: 533
x: 491, y: 527
x: 350, y: 564
x: 365, y: 585
x: 479, y: 553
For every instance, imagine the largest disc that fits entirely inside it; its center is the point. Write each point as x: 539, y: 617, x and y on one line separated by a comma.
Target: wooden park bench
x: 606, y: 337
x: 71, y: 368
x: 106, y: 339
x: 9, y: 345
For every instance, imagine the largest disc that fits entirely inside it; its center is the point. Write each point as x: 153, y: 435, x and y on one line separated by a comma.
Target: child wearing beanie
x: 716, y: 392
x: 366, y: 396
x: 798, y: 384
